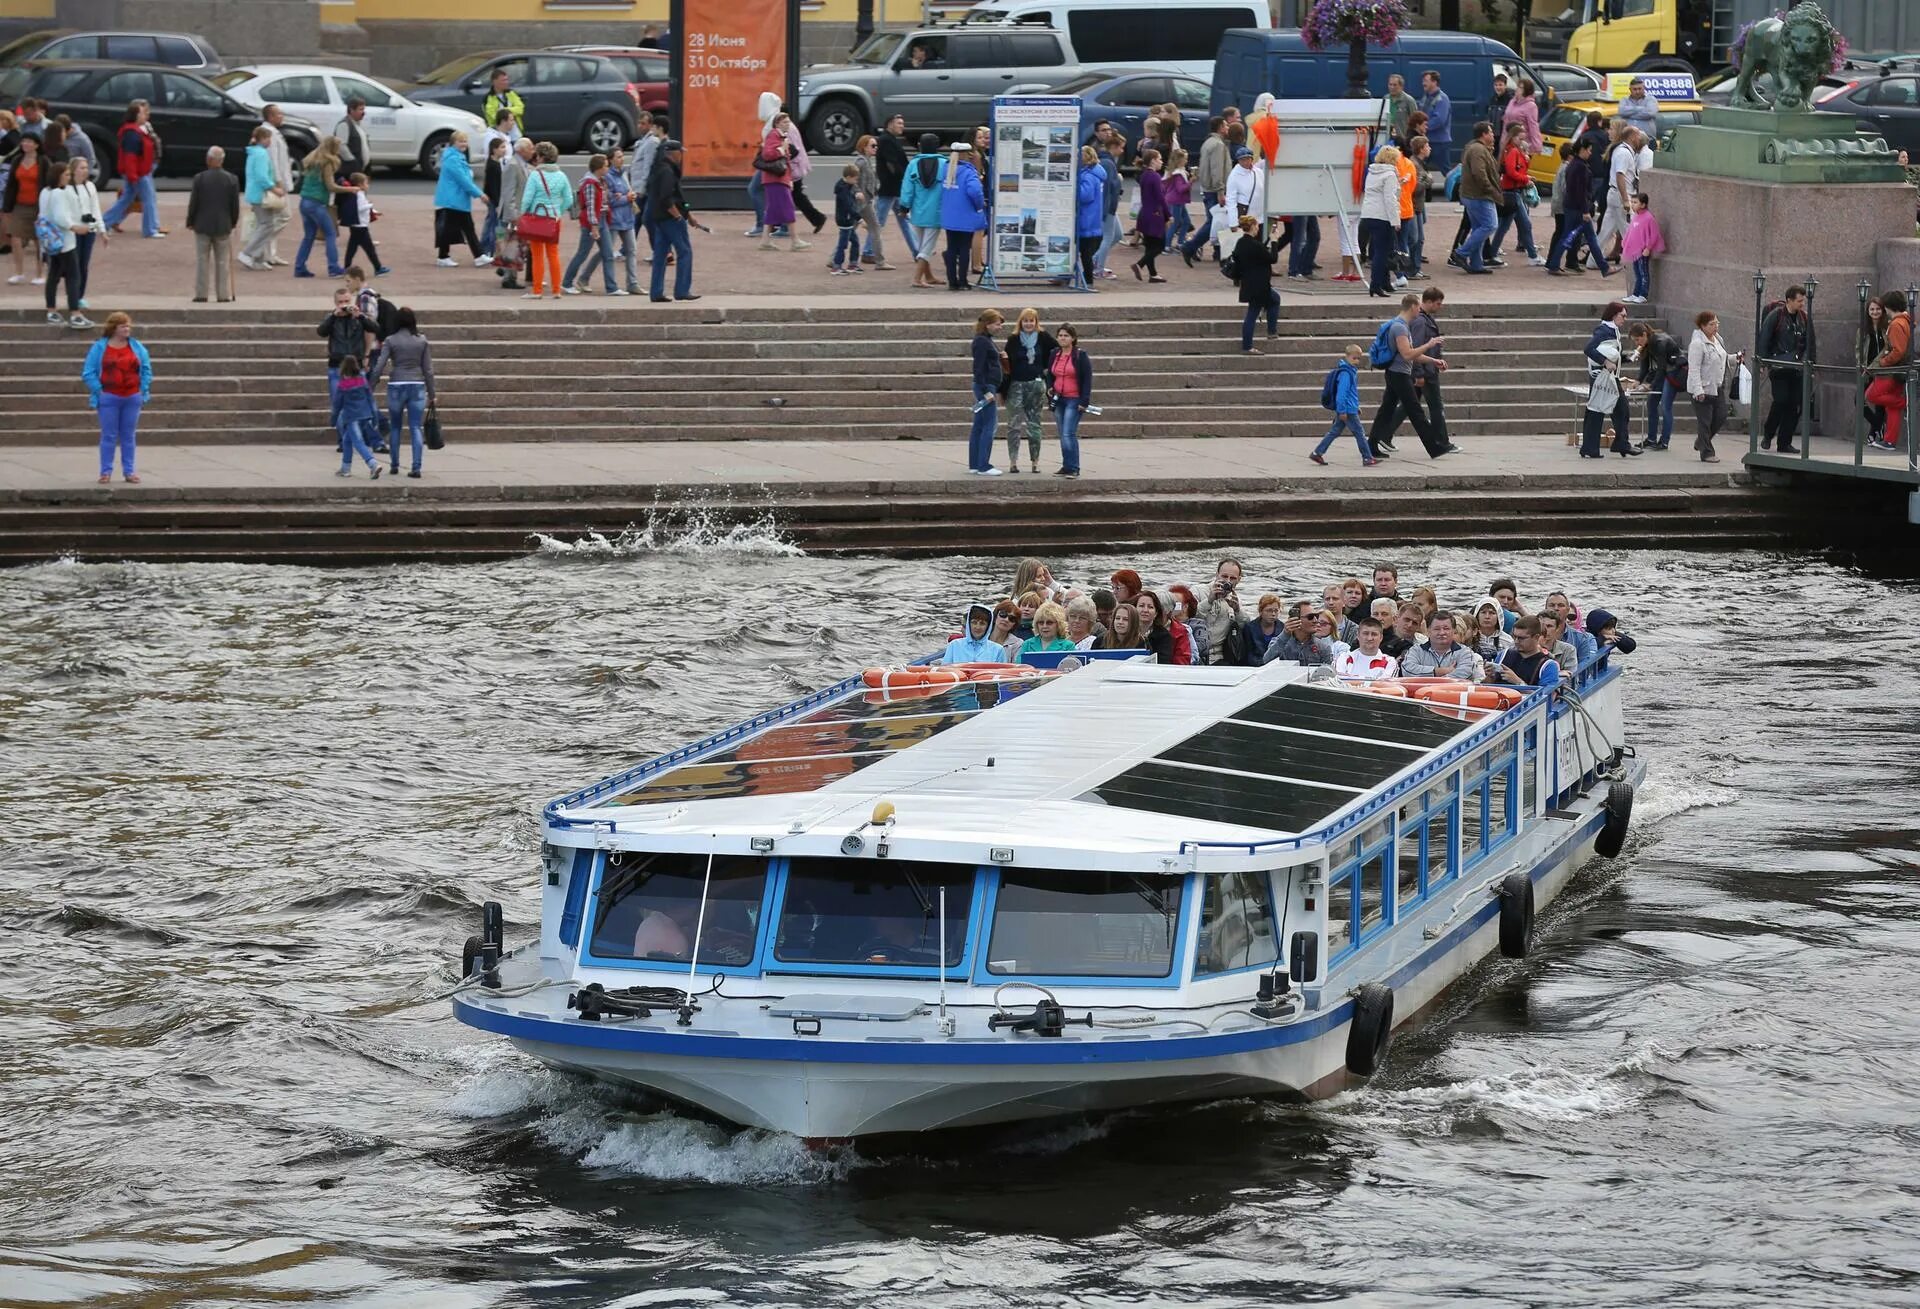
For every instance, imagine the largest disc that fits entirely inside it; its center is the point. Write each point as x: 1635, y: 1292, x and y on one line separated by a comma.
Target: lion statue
x: 1796, y: 51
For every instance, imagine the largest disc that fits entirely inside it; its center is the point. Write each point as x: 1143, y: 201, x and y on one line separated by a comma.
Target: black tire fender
x: 470, y: 956
x: 492, y: 923
x: 1372, y: 1029
x: 1516, y: 915
x: 1619, y: 807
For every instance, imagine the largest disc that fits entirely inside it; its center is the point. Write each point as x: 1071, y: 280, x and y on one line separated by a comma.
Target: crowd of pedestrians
x: 1361, y: 632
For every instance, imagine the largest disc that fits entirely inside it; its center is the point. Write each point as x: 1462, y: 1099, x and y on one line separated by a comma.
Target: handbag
x: 541, y: 227
x: 431, y: 429
x: 274, y: 201
x: 772, y: 167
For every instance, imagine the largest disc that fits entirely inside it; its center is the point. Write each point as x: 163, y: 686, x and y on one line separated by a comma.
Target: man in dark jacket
x: 668, y: 213
x: 1480, y: 197
x: 1426, y: 373
x: 213, y: 211
x: 345, y: 332
x: 1786, y: 339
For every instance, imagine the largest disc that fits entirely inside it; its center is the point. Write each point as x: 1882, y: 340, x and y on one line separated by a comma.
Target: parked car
x: 1566, y: 81
x: 171, y: 49
x: 189, y: 114
x: 1564, y: 121
x: 1283, y: 63
x: 400, y: 133
x: 576, y: 101
x: 1180, y: 35
x: 943, y: 79
x: 647, y: 72
x: 1884, y: 99
x: 1123, y: 97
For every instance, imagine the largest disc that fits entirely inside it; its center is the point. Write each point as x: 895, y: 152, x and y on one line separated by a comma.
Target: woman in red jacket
x: 139, y: 150
x: 1516, y: 180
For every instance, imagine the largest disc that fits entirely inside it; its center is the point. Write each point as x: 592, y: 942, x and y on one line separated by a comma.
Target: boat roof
x: 1212, y: 754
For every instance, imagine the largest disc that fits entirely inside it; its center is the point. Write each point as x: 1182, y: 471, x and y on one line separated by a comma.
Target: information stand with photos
x: 1032, y: 185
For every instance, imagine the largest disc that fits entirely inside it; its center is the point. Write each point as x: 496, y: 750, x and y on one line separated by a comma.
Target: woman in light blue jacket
x: 262, y: 183
x: 920, y: 201
x: 963, y: 211
x: 453, y: 199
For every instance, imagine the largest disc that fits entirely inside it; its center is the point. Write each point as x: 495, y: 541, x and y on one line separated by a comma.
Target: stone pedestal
x: 1719, y: 230
x: 1771, y: 145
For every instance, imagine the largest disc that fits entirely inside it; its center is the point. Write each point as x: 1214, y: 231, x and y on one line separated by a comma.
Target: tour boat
x: 938, y: 898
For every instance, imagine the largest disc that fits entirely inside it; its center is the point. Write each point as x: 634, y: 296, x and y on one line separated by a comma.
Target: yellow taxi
x: 1565, y: 121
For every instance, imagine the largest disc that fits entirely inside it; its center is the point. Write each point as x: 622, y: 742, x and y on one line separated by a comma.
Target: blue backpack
x: 1330, y: 389
x: 1382, y: 352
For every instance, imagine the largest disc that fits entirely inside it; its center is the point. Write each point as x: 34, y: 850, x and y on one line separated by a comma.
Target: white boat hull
x: 735, y: 1064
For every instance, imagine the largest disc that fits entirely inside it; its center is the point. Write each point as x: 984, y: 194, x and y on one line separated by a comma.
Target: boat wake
x: 683, y: 530
x: 1532, y: 1095
x: 1674, y: 787
x: 600, y: 1128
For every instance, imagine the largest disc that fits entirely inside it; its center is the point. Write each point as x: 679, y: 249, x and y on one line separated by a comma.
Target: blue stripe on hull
x: 1059, y: 1052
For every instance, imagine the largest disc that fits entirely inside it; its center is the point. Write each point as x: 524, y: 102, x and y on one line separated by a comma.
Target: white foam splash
x: 1673, y: 787
x: 1546, y: 1093
x: 670, y: 1148
x: 693, y: 531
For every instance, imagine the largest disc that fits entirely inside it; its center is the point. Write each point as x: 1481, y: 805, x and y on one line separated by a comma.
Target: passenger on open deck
x: 1603, y: 627
x: 977, y: 646
x: 1526, y: 664
x: 1487, y: 635
x: 1553, y: 639
x: 1297, y: 641
x: 1584, y: 646
x: 1440, y: 656
x: 1367, y: 661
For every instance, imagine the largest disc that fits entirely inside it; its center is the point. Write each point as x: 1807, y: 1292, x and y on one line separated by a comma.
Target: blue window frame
x: 872, y: 918
x: 1077, y: 928
x: 646, y: 911
x: 1359, y: 900
x: 1490, y: 795
x: 1423, y: 840
x: 1530, y: 774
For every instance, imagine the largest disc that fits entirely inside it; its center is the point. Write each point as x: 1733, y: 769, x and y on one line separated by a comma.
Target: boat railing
x: 1588, y: 675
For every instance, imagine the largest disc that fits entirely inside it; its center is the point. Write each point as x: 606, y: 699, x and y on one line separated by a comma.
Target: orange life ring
x: 912, y: 676
x: 1461, y: 695
x: 1006, y: 673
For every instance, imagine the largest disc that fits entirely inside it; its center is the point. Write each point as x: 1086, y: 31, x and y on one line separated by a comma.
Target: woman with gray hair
x: 1083, y: 624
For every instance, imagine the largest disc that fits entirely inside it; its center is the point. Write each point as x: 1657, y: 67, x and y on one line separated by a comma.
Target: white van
x: 1183, y: 35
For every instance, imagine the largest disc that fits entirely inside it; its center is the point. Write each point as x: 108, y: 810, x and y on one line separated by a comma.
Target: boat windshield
x: 861, y: 911
x: 1236, y: 924
x: 649, y: 908
x: 1049, y: 924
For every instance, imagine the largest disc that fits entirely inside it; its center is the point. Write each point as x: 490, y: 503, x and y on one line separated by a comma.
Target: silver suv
x: 943, y: 79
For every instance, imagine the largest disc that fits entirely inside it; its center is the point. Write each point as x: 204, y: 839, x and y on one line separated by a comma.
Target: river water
x: 249, y: 814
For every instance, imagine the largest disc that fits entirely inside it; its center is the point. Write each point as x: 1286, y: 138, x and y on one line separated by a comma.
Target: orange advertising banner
x: 731, y: 52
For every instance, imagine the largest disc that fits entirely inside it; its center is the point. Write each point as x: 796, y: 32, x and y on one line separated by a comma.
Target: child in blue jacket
x: 1345, y: 378
x: 356, y: 419
x: 847, y: 201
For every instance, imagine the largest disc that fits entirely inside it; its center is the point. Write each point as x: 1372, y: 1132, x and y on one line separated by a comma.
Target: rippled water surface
x: 249, y: 814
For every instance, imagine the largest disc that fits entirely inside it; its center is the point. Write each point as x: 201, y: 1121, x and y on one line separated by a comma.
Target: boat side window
x: 1060, y: 924
x: 865, y: 911
x: 1487, y: 796
x: 1530, y: 774
x: 1236, y: 924
x: 1357, y: 898
x: 648, y: 908
x: 1422, y: 839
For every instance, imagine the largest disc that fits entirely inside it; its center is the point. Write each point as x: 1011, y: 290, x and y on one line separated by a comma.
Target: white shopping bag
x: 1223, y: 222
x: 1605, y: 393
x: 1743, y: 389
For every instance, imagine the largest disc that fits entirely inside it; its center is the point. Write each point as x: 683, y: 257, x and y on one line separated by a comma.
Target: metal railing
x: 1858, y: 374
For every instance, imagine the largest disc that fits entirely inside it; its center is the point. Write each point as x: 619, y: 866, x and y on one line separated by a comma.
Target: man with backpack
x: 1786, y: 339
x: 1393, y: 352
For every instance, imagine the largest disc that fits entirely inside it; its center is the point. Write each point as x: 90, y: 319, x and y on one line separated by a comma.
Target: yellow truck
x: 1697, y: 35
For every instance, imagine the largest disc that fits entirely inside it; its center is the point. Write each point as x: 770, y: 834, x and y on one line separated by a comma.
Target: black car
x: 189, y: 115
x: 1883, y: 98
x: 576, y: 101
x: 173, y: 49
